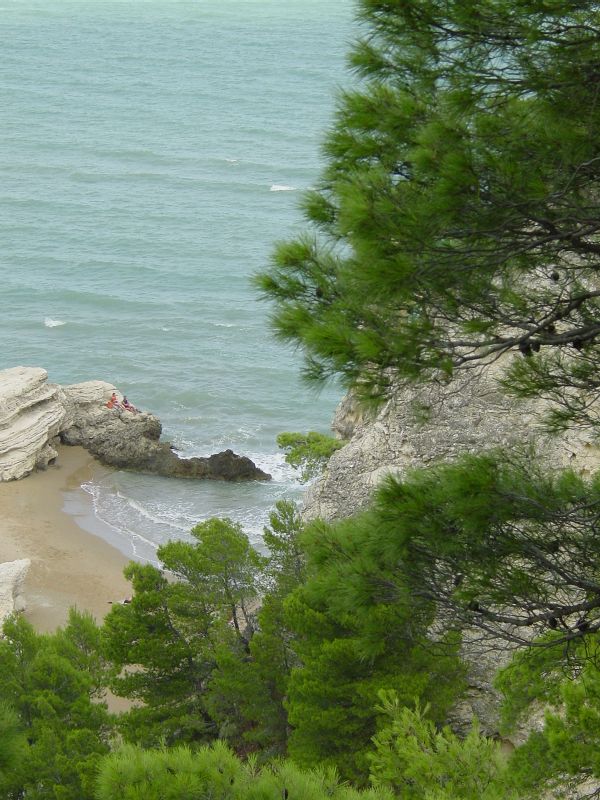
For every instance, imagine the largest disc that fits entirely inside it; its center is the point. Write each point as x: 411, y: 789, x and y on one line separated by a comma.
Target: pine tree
x: 457, y: 217
x: 354, y: 636
x: 54, y: 683
x: 214, y: 772
x: 496, y: 542
x: 562, y: 758
x: 13, y: 749
x: 418, y: 761
x: 249, y: 685
x: 165, y: 643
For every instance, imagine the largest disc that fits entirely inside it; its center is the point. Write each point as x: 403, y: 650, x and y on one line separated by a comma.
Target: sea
x: 152, y: 152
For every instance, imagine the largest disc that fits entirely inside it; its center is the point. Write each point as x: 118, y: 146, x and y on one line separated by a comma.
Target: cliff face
x: 429, y: 424
x: 31, y: 416
x: 12, y: 578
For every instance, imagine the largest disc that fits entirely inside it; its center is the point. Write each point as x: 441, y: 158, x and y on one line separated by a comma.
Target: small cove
x: 153, y: 152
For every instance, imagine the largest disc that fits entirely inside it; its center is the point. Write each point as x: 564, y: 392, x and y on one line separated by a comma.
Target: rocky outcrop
x: 128, y: 440
x: 35, y: 415
x: 434, y: 423
x: 12, y: 578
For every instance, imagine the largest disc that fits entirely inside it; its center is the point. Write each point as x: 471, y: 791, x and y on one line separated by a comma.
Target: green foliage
x: 535, y: 675
x: 417, y: 761
x: 456, y: 221
x: 158, y: 645
x: 308, y: 452
x: 222, y: 565
x: 215, y: 773
x: 165, y: 644
x: 353, y: 639
x: 13, y: 749
x: 456, y: 218
x: 247, y: 690
x: 564, y: 754
x: 54, y: 683
x: 285, y: 564
x: 499, y: 542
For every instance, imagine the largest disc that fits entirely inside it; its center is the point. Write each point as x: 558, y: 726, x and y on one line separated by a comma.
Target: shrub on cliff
x: 308, y: 452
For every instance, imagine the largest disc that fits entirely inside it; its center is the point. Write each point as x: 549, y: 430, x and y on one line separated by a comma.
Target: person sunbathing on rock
x: 128, y: 406
x: 113, y: 402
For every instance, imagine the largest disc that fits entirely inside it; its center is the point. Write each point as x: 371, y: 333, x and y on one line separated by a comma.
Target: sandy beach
x: 69, y: 565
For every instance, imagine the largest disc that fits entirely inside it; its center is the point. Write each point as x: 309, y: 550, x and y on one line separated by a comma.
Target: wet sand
x: 70, y: 566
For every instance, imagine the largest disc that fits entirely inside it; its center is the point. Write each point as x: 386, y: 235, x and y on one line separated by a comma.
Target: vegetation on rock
x: 308, y: 452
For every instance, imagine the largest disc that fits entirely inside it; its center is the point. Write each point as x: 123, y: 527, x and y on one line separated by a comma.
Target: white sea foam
x: 109, y: 509
x: 151, y: 514
x: 53, y: 323
x: 282, y: 475
x: 282, y: 187
x: 143, y: 523
x: 233, y: 438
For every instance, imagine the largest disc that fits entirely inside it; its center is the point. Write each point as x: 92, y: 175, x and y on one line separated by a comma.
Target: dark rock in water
x: 35, y: 414
x: 225, y: 466
x: 128, y: 440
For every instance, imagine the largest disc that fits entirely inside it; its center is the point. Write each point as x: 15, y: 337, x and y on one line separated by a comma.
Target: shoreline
x: 70, y: 565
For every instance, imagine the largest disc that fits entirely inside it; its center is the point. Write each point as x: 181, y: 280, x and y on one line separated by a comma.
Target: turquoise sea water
x: 151, y: 153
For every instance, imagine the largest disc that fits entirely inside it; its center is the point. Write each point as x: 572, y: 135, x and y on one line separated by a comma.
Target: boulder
x: 115, y: 436
x: 224, y: 466
x: 12, y: 578
x: 127, y: 440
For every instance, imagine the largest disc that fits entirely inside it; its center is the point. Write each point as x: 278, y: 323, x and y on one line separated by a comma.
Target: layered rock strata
x: 35, y: 415
x: 31, y: 417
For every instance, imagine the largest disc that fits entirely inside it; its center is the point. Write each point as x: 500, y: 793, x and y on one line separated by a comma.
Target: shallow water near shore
x: 152, y: 152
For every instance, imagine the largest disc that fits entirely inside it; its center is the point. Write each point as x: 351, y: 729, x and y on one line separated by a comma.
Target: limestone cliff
x: 31, y: 416
x: 12, y: 577
x: 429, y: 424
